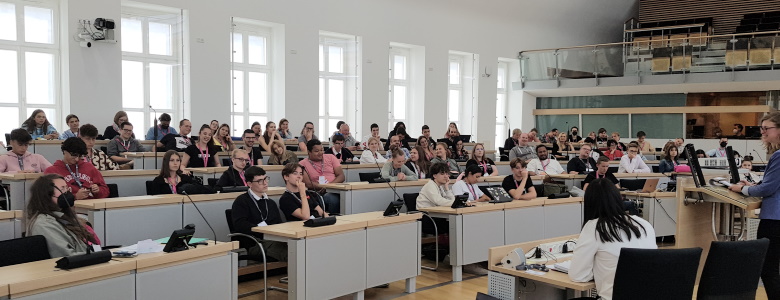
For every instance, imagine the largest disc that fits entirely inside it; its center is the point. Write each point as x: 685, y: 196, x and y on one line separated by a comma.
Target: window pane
x: 335, y: 97
x: 238, y: 91
x: 260, y: 119
x: 399, y: 102
x: 9, y: 78
x: 399, y: 67
x: 545, y: 123
x: 335, y: 59
x: 39, y: 76
x: 454, y: 72
x: 7, y: 22
x: 137, y: 118
x: 132, y: 84
x: 50, y: 116
x: 38, y: 25
x: 322, y: 96
x: 323, y: 130
x: 132, y: 39
x: 325, y: 137
x: 10, y: 119
x: 500, y: 107
x: 322, y: 59
x: 658, y: 126
x: 161, y: 86
x: 453, y: 107
x: 501, y: 78
x: 257, y: 50
x: 258, y: 92
x: 590, y: 123
x: 160, y: 38
x: 238, y: 47
x: 238, y: 125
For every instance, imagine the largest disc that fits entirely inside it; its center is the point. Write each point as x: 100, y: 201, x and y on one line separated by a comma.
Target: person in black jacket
x: 337, y: 149
x: 255, y: 209
x: 171, y: 178
x: 400, y: 129
x: 582, y: 164
x: 234, y: 175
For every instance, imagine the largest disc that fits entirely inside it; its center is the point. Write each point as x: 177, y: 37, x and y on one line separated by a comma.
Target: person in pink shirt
x: 322, y: 168
x: 19, y: 160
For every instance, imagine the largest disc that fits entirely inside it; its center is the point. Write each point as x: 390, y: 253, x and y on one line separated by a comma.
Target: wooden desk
x: 367, y: 250
x: 359, y: 197
x: 547, y: 285
x: 274, y: 172
x: 576, y: 179
x: 50, y: 149
x: 10, y: 224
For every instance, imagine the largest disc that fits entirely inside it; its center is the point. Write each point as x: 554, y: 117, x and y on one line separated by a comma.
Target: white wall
x: 492, y: 29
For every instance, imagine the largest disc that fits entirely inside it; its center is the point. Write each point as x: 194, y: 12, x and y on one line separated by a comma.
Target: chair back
x: 212, y: 182
x: 723, y: 278
x: 243, y: 242
x: 150, y: 188
x: 113, y: 190
x: 23, y: 250
x: 410, y: 200
x: 369, y: 176
x: 667, y: 274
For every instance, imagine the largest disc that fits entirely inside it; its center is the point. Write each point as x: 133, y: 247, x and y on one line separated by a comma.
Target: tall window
x: 252, y: 75
x: 30, y: 62
x: 455, y: 89
x: 338, y: 81
x: 151, y: 64
x: 502, y: 91
x: 400, y: 85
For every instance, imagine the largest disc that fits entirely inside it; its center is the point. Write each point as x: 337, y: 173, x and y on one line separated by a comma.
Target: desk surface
x: 108, y: 173
x: 296, y: 230
x: 485, y: 206
x: 136, y: 201
x: 650, y: 195
x: 11, y: 214
x: 362, y: 185
x: 727, y: 196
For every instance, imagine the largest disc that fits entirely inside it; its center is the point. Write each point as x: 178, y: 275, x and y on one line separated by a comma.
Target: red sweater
x: 86, y: 172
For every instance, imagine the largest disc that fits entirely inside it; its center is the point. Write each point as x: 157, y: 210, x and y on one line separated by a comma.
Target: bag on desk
x: 83, y: 260
x: 554, y: 188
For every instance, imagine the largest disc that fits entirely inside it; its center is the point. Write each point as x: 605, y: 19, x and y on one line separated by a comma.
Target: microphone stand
x: 155, y: 136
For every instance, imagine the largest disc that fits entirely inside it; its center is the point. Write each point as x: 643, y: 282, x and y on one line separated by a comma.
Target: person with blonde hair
x: 372, y: 155
x: 280, y: 155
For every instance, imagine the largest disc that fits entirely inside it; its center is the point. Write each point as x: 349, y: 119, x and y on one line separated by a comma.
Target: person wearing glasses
x: 322, y: 168
x: 582, y: 164
x: 124, y: 143
x: 350, y: 143
x: 337, y: 148
x: 178, y: 141
x: 98, y: 158
x: 307, y: 134
x: 80, y: 175
x: 19, y: 160
x: 291, y: 203
x: 234, y: 175
x: 632, y: 163
x: 255, y: 209
x: 171, y: 179
x: 255, y: 153
x: 163, y: 129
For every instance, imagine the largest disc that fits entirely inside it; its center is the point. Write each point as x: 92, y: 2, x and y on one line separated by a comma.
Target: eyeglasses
x: 262, y: 180
x: 246, y: 160
x: 765, y: 128
x: 339, y: 143
x: 250, y: 137
x: 75, y: 154
x: 127, y: 130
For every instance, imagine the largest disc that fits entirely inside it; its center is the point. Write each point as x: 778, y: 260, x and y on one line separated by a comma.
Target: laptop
x: 650, y: 185
x: 497, y: 194
x: 465, y: 138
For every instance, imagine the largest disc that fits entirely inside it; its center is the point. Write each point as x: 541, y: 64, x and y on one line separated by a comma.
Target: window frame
x: 407, y: 83
x: 502, y: 68
x: 349, y: 76
x: 247, y: 29
x: 460, y: 59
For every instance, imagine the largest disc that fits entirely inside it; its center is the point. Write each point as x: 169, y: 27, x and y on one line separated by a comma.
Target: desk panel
x: 522, y: 224
x: 342, y: 255
x: 562, y: 219
x: 130, y: 185
x: 664, y: 215
x: 392, y: 253
x: 8, y: 229
x: 119, y: 288
x: 214, y: 211
x: 218, y: 274
x: 127, y: 226
x: 481, y: 231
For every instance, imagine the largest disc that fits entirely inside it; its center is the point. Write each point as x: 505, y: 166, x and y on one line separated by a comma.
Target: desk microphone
x: 201, y: 215
x: 508, y: 127
x: 759, y: 157
x: 155, y: 136
x: 388, y: 181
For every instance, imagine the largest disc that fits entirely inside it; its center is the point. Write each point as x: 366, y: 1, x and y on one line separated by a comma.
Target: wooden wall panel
x: 726, y: 14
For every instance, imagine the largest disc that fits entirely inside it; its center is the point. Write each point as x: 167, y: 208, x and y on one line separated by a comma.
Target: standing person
x: 322, y: 168
x: 73, y: 127
x: 270, y: 135
x: 467, y: 185
x: 519, y: 178
x: 99, y: 159
x: 607, y: 229
x: 582, y: 164
x: 544, y: 164
x: 203, y: 153
x: 80, y: 175
x: 18, y: 160
x: 480, y: 159
x: 280, y: 155
x: 631, y: 163
x: 50, y: 214
x: 178, y: 141
x: 291, y: 203
x: 284, y: 129
x: 427, y: 147
x: 374, y: 133
x: 124, y: 143
x: 307, y: 134
x: 234, y: 175
x: 337, y: 149
x: 171, y: 179
x: 39, y: 127
x: 113, y: 130
x: 523, y: 150
x: 769, y: 189
x: 255, y: 209
x: 222, y: 138
x: 442, y: 157
x: 395, y: 170
x: 574, y: 136
x: 372, y: 155
x: 255, y: 153
x: 417, y: 163
x: 669, y: 162
x: 644, y: 146
x: 162, y: 129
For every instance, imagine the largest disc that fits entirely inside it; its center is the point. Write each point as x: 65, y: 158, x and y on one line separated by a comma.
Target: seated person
x: 479, y: 158
x: 291, y: 203
x: 620, y: 146
x: 38, y: 126
x: 602, y: 171
x: 518, y: 178
x: 374, y: 133
x: 613, y: 153
x: 669, y: 161
x: 426, y: 134
x: 395, y: 170
x: 562, y: 144
x: 395, y: 143
x: 372, y: 155
x: 574, y: 136
x: 720, y: 151
x: 338, y: 149
x: 701, y: 154
x: 533, y: 136
x: 522, y: 150
x: 513, y: 140
x: 234, y: 175
x: 255, y: 153
x: 80, y: 175
x: 749, y: 176
x: 162, y: 129
x: 644, y: 146
x: 177, y: 141
x: 124, y: 143
x: 601, y: 139
x: 417, y: 163
x: 544, y: 164
x: 582, y: 164
x: 631, y: 163
x: 307, y: 134
x: 115, y: 128
x: 639, y: 153
x: 255, y: 209
x: 171, y: 178
x: 460, y: 153
x: 322, y: 168
x: 203, y: 153
x: 99, y: 159
x: 350, y: 143
x: 467, y: 185
x: 442, y: 157
x: 607, y: 230
x: 50, y: 214
x: 437, y: 191
x: 73, y: 127
x: 18, y: 159
x: 280, y: 155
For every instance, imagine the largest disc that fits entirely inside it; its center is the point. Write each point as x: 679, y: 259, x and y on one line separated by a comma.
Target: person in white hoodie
x: 372, y: 155
x: 607, y: 229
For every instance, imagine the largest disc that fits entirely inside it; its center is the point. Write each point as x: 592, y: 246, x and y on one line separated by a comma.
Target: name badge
x: 262, y: 224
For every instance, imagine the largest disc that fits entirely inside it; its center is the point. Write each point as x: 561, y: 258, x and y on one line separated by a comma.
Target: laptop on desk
x: 496, y: 194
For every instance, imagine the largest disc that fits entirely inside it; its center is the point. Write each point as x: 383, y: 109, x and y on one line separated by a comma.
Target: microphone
x: 508, y: 127
x: 201, y: 215
x: 155, y: 135
x: 759, y: 157
x: 387, y: 181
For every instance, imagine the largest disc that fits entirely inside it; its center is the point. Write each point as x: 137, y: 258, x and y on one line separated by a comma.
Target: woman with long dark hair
x: 39, y: 127
x: 669, y: 162
x: 222, y: 138
x: 607, y: 229
x: 418, y: 163
x: 171, y: 178
x: 203, y: 153
x: 50, y: 214
x: 270, y: 135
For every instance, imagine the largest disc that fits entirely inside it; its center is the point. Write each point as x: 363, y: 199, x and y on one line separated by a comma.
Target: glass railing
x: 655, y: 56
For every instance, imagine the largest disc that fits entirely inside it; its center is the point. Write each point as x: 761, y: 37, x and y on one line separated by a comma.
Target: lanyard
x: 251, y: 160
x: 597, y: 175
x: 243, y: 178
x: 166, y: 132
x: 262, y: 218
x: 172, y: 182
x: 21, y: 163
x: 642, y: 147
x: 204, y: 155
x: 322, y: 167
x: 544, y: 166
x: 517, y: 185
x: 471, y: 188
x: 484, y: 166
x: 75, y: 175
x: 722, y: 153
x: 586, y: 163
x: 416, y: 170
x: 127, y: 147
